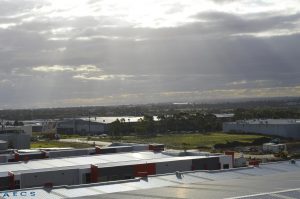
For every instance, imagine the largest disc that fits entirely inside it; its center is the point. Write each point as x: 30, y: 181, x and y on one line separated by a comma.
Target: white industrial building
x: 102, y: 168
x: 81, y: 127
x: 289, y: 128
x: 273, y: 180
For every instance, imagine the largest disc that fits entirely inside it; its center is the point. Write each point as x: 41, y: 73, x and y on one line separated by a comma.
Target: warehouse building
x: 288, y: 128
x: 80, y: 127
x: 102, y: 168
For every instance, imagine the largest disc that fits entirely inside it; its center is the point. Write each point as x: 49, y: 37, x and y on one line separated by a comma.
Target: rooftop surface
x: 274, y: 180
x: 79, y: 162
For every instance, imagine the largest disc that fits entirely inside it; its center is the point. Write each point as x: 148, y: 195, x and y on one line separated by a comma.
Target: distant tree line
x: 180, y: 122
x: 150, y: 109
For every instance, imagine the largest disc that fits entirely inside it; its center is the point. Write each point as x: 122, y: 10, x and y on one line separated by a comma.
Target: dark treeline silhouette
x: 180, y: 122
x: 150, y: 109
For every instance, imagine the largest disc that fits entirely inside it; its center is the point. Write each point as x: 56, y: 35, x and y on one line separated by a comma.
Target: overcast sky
x: 103, y: 52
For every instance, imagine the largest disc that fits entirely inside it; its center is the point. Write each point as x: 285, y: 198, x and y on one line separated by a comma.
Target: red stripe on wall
x: 94, y: 173
x: 143, y: 170
x: 11, y: 180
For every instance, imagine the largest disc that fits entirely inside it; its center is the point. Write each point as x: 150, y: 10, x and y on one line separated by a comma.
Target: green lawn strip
x: 196, y: 140
x: 50, y: 144
x: 176, y: 141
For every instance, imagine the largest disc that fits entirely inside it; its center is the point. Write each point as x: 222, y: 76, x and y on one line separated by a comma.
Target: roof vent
x: 292, y: 161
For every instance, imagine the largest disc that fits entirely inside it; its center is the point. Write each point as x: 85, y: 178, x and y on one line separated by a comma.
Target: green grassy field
x: 52, y: 143
x: 191, y: 141
x: 175, y: 141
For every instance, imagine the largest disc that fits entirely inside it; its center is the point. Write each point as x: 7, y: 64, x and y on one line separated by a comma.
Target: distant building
x: 224, y: 115
x: 81, y: 127
x: 37, y: 125
x: 274, y: 148
x: 16, y: 138
x: 125, y: 119
x: 240, y: 162
x: 289, y: 128
x: 25, y: 129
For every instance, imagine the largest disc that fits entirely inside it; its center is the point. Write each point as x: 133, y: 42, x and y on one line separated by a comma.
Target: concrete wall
x: 173, y: 166
x: 108, y: 150
x: 66, y: 153
x: 226, y: 160
x: 4, y: 183
x: 58, y: 177
x: 283, y: 130
x: 140, y: 147
x: 29, y: 156
x: 212, y: 163
x: 120, y: 149
x: 4, y: 158
x: 115, y: 173
x: 3, y: 145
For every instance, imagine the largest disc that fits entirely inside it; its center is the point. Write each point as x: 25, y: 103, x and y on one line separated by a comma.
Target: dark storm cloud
x: 90, y: 59
x: 230, y: 23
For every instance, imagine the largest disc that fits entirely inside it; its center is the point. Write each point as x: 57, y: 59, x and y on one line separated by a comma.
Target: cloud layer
x: 88, y: 52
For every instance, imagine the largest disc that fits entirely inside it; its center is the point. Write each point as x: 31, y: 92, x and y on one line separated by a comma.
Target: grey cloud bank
x: 74, y: 53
